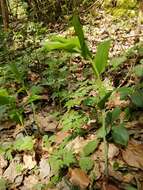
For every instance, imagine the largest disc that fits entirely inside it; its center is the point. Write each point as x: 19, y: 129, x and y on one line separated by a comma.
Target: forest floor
x: 60, y: 142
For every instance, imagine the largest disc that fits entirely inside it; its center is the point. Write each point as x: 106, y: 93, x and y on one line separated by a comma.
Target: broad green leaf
x: 3, y: 92
x: 24, y: 143
x: 117, y: 61
x: 120, y: 135
x: 90, y: 147
x: 124, y: 92
x: 79, y: 32
x: 137, y: 98
x: 55, y: 164
x: 101, y: 133
x: 60, y: 43
x: 138, y: 69
x: 101, y: 57
x: 86, y: 163
x: 17, y: 115
x: 68, y: 158
x: 8, y: 155
x: 5, y: 98
x: 3, y: 185
x: 104, y: 99
x: 116, y: 113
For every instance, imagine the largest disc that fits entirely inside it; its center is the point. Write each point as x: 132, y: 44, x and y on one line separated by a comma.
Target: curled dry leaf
x: 79, y: 177
x: 133, y: 154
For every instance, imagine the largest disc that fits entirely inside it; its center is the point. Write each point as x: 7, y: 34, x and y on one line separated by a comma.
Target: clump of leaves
x: 73, y: 120
x: 20, y: 144
x: 60, y: 159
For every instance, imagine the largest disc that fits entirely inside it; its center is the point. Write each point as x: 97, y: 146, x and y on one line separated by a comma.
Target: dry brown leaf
x: 29, y: 162
x: 115, y: 101
x: 29, y: 182
x: 76, y: 145
x: 33, y: 76
x: 127, y: 178
x: 3, y: 164
x: 133, y: 155
x: 79, y: 177
x: 6, y: 125
x: 111, y: 187
x: 11, y: 173
x: 115, y: 174
x: 44, y: 169
x: 46, y: 123
x: 112, y: 151
x: 60, y: 136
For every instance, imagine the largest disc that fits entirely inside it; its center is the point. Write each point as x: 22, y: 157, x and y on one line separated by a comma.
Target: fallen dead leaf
x: 115, y: 101
x: 11, y: 173
x: 110, y: 187
x: 115, y: 174
x: 112, y: 151
x: 3, y: 164
x: 127, y: 178
x: 79, y: 177
x: 60, y: 136
x: 46, y: 124
x: 76, y: 145
x: 29, y: 163
x: 44, y: 169
x: 63, y: 185
x: 29, y: 182
x: 6, y: 125
x: 133, y: 154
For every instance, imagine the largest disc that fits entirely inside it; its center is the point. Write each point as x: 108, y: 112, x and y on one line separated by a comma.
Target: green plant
x: 61, y: 158
x: 20, y: 144
x: 86, y: 163
x: 98, y: 63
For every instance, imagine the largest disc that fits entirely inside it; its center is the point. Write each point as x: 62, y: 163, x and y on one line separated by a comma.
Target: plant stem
x: 105, y: 143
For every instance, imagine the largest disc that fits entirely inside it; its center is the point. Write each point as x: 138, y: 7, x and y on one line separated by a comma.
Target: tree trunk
x: 5, y: 15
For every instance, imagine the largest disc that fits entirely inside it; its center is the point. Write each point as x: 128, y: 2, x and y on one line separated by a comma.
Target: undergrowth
x: 45, y: 75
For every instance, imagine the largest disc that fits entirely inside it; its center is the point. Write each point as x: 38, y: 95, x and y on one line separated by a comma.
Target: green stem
x: 105, y: 142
